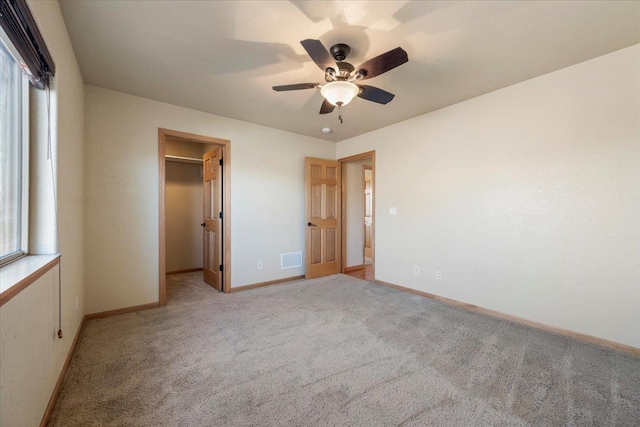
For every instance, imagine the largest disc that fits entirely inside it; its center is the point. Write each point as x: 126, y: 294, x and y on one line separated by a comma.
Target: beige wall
x: 353, y: 173
x: 526, y: 199
x: 184, y: 209
x: 31, y: 356
x: 121, y: 191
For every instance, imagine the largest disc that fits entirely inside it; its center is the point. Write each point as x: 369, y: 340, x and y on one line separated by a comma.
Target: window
x: 24, y: 59
x: 14, y: 160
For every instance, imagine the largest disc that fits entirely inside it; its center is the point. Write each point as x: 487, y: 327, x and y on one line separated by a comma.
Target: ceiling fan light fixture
x: 339, y: 92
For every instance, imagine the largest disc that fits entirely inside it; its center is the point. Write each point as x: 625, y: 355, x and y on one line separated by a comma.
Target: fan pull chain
x: 340, y: 112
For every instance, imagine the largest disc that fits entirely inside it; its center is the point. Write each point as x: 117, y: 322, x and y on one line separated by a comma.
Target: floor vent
x: 291, y: 260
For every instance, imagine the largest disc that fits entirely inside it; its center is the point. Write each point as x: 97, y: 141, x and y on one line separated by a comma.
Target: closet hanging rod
x: 181, y: 159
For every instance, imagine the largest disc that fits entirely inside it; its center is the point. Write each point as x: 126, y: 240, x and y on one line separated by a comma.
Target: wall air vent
x: 291, y: 260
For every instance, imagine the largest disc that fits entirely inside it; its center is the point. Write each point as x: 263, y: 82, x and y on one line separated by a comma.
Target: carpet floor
x: 335, y: 351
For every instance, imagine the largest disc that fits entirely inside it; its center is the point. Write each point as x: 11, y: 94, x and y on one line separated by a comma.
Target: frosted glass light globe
x: 339, y: 92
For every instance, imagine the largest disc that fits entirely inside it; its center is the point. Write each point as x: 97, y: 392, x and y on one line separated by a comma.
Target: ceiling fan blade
x: 382, y: 63
x: 327, y: 107
x: 319, y: 54
x: 297, y: 86
x: 372, y: 93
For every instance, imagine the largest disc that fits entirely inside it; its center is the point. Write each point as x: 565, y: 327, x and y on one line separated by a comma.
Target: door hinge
x: 221, y: 215
x: 220, y: 267
x: 220, y: 161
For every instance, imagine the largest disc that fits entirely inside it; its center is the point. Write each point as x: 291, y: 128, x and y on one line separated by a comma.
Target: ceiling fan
x: 341, y: 77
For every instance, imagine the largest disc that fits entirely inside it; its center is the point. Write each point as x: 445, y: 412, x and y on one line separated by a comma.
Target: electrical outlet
x: 77, y: 303
x: 259, y: 265
x: 416, y: 269
x: 438, y: 274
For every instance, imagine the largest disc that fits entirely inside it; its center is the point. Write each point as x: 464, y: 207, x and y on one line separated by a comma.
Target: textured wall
x: 31, y: 357
x: 121, y: 191
x: 527, y: 199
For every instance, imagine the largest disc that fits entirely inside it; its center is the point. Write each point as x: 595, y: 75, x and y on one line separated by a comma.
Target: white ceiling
x: 223, y: 57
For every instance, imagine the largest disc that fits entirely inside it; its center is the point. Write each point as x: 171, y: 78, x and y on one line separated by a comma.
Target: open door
x: 368, y: 215
x: 212, y: 180
x: 322, y: 211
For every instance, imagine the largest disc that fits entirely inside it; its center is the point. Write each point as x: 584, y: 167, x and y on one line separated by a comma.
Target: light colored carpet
x: 335, y: 351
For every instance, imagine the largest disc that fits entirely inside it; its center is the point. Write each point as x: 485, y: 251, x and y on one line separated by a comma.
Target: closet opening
x: 195, y: 229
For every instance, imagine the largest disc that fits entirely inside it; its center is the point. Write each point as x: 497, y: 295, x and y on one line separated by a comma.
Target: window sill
x: 19, y: 274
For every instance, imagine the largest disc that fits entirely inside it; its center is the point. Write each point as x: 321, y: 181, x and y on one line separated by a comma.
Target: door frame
x: 225, y: 145
x: 343, y: 195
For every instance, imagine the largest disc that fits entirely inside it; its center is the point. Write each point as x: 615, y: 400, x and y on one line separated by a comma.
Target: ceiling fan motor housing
x: 345, y: 69
x: 344, y: 72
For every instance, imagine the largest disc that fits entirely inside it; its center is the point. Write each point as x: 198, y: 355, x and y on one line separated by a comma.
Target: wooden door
x: 322, y: 210
x: 212, y: 180
x: 368, y: 213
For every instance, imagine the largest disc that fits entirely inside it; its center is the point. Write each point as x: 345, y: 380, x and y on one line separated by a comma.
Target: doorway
x: 204, y: 240
x: 358, y: 215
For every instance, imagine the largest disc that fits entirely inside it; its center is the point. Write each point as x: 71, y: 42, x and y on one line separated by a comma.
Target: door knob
x: 311, y: 225
x: 203, y: 224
